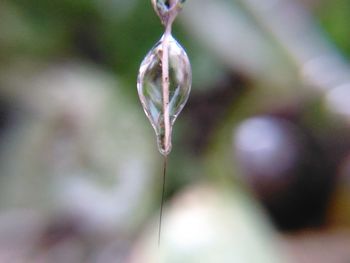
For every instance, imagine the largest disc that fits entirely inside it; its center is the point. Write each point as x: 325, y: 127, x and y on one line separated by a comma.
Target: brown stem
x: 165, y: 88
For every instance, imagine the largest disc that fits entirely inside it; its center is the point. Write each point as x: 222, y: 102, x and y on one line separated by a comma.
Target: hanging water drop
x: 151, y: 92
x: 164, y: 83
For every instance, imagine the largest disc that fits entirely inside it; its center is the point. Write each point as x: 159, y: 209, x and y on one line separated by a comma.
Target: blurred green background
x: 260, y: 166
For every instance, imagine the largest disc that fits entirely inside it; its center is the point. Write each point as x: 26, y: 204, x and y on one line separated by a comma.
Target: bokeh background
x: 260, y: 167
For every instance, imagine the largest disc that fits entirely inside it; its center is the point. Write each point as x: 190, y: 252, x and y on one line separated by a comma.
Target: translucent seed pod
x: 150, y: 87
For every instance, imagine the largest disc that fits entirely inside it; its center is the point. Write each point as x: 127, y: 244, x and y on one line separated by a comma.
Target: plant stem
x: 165, y: 87
x: 166, y: 95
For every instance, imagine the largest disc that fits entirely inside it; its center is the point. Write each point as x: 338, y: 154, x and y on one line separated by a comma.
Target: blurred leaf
x: 335, y: 18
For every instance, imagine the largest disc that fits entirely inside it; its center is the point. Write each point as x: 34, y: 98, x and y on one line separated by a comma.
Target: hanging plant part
x: 162, y: 104
x: 164, y: 80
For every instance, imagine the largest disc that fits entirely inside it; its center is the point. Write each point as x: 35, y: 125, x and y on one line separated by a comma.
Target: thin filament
x: 162, y: 199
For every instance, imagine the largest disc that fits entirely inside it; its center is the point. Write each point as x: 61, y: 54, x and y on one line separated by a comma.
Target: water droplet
x: 150, y: 88
x: 165, y: 8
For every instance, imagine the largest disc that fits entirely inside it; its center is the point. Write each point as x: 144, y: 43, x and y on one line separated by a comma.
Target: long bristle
x: 162, y: 199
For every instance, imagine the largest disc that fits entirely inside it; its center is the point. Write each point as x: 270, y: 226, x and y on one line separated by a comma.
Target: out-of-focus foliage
x: 206, y: 225
x: 334, y: 16
x: 268, y: 118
